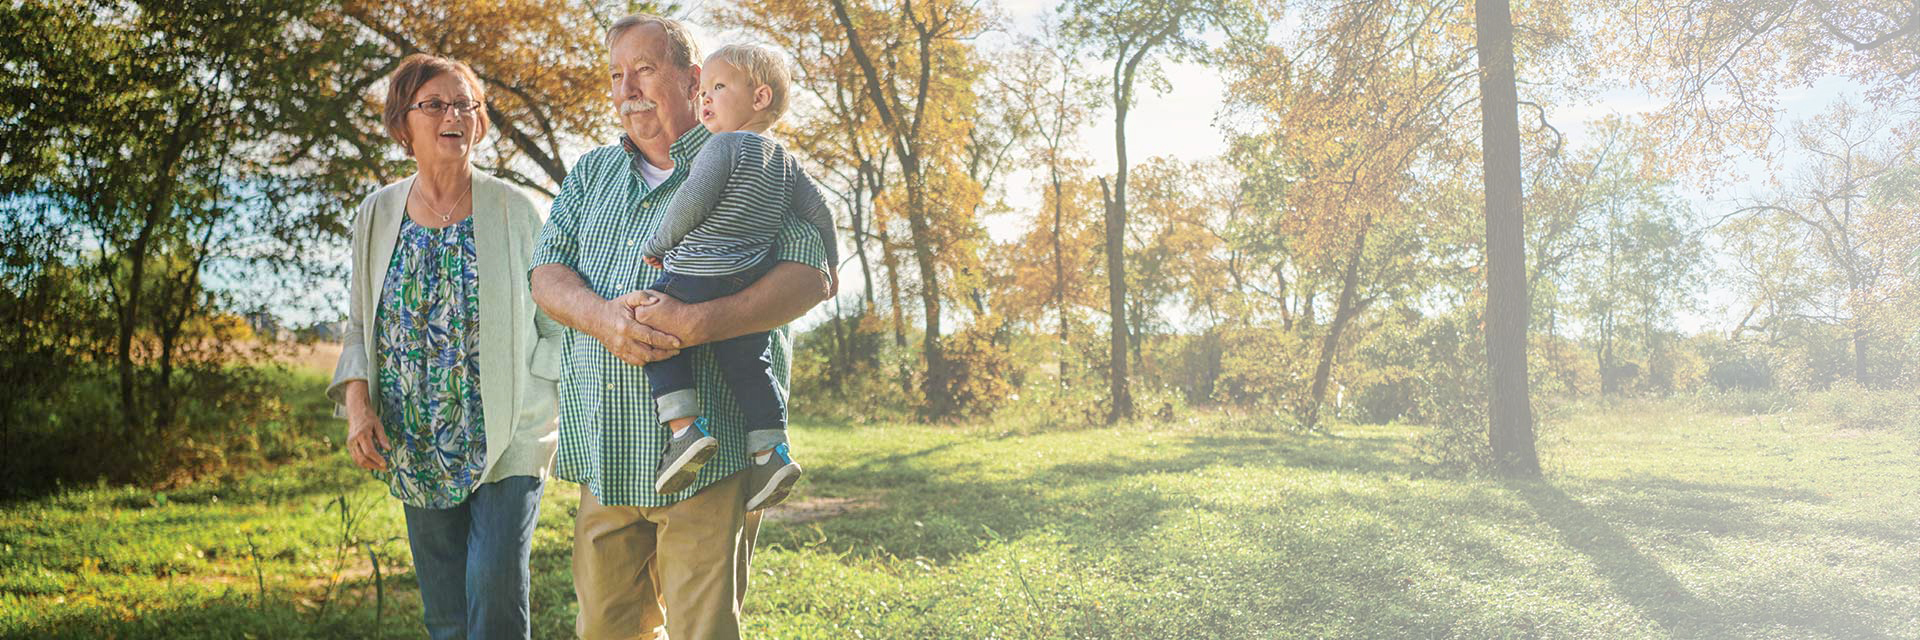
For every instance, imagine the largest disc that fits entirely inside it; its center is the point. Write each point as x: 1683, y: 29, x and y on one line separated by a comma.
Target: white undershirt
x: 653, y: 175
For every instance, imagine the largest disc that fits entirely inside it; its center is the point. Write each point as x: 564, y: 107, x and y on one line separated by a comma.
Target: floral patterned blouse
x: 429, y: 351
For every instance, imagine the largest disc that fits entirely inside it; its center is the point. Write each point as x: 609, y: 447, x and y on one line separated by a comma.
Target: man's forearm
x: 560, y: 292
x: 785, y: 293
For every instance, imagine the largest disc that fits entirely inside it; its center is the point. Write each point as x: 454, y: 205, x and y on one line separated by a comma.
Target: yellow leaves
x: 1724, y: 63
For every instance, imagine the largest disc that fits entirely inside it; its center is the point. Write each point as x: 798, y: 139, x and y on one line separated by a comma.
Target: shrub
x: 228, y: 419
x: 1453, y: 398
x: 1265, y: 367
x: 983, y: 370
x: 849, y: 369
x: 1852, y: 407
x: 1747, y: 403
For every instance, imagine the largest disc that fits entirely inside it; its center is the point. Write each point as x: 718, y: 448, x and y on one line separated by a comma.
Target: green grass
x: 1657, y: 520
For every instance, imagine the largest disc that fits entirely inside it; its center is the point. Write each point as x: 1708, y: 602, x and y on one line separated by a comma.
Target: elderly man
x: 642, y: 560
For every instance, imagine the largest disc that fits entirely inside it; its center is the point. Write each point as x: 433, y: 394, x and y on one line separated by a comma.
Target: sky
x: 1181, y: 124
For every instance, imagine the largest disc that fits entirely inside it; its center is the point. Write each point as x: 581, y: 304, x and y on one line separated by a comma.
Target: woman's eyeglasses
x: 437, y: 108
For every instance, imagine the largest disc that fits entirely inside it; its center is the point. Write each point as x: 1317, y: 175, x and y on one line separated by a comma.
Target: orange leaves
x: 540, y: 59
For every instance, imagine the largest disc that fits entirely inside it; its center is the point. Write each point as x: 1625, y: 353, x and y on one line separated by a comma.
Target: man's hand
x: 784, y: 293
x: 565, y: 297
x: 672, y: 317
x: 632, y: 341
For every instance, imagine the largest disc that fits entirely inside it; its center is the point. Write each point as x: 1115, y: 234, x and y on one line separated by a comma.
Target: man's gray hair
x: 680, y: 46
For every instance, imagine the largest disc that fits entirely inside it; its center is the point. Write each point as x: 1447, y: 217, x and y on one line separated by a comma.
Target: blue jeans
x: 471, y: 560
x: 745, y: 361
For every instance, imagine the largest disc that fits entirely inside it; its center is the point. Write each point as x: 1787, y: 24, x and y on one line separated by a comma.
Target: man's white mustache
x: 636, y: 106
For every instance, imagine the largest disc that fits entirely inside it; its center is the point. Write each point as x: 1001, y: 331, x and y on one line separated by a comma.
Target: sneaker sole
x: 776, y: 491
x: 681, y: 473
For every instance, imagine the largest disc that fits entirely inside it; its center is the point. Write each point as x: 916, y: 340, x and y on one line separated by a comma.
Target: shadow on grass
x: 1684, y: 507
x: 289, y: 613
x: 1643, y: 583
x: 237, y: 614
x: 944, y: 511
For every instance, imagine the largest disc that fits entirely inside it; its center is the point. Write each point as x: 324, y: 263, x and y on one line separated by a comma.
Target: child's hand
x: 653, y: 261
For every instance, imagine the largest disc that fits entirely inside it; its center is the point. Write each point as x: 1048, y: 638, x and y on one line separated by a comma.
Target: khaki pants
x: 683, y: 566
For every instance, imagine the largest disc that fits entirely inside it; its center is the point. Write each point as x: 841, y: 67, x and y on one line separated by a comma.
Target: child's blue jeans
x: 745, y: 362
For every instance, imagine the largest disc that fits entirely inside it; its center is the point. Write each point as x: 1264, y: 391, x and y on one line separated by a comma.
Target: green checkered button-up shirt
x: 610, y: 436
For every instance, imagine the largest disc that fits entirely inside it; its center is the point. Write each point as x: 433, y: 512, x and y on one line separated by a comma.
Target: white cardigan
x: 519, y: 345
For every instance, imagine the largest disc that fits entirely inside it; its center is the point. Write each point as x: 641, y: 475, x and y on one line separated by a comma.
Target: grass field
x: 1656, y: 520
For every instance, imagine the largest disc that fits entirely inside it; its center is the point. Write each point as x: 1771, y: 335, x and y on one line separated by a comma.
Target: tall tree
x: 1642, y: 257
x: 1509, y: 410
x: 1045, y: 70
x: 541, y: 61
x: 1135, y: 36
x: 145, y: 211
x: 916, y: 64
x: 1852, y: 240
x: 1351, y: 159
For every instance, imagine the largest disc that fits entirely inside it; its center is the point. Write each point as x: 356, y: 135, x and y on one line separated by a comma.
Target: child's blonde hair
x: 761, y: 66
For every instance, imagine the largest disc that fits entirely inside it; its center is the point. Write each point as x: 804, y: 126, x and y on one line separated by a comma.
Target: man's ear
x: 693, y: 81
x: 762, y: 97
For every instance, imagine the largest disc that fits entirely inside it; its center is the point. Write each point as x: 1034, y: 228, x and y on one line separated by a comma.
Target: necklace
x: 446, y: 218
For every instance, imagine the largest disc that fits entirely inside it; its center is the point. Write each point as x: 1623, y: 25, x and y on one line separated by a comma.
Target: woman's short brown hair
x: 416, y: 71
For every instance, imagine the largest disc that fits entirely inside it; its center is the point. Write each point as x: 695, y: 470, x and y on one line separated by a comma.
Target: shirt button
x: 629, y: 243
x: 610, y: 386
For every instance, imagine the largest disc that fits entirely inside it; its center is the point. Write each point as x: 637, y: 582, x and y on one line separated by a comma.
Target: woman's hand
x: 366, y: 436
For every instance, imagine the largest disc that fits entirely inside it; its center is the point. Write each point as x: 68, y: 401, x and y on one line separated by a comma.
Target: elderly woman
x: 446, y: 377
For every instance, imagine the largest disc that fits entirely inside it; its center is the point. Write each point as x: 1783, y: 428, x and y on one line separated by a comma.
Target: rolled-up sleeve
x: 809, y: 206
x: 559, y: 241
x: 799, y: 241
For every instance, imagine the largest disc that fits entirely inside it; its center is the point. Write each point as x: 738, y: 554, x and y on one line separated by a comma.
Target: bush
x: 1453, y: 398
x: 856, y: 375
x: 983, y: 371
x: 1264, y: 367
x: 1747, y: 403
x: 1736, y: 365
x: 1674, y: 367
x: 228, y: 419
x: 1852, y: 407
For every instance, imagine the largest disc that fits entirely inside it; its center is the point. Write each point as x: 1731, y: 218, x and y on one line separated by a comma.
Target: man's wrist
x: 607, y: 321
x: 699, y: 323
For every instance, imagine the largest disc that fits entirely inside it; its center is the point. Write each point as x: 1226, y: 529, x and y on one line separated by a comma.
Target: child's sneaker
x: 768, y: 483
x: 685, y: 455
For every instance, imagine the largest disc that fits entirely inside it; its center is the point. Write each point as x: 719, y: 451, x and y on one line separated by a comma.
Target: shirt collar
x: 689, y: 144
x: 682, y: 150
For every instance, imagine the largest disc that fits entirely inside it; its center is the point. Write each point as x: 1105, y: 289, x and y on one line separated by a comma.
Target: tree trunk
x: 939, y: 403
x: 1860, y: 355
x: 892, y: 263
x: 1059, y: 270
x: 1510, y: 413
x: 903, y: 136
x: 1343, y: 313
x: 1122, y: 396
x: 137, y: 255
x: 129, y: 312
x: 860, y: 223
x: 1286, y: 311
